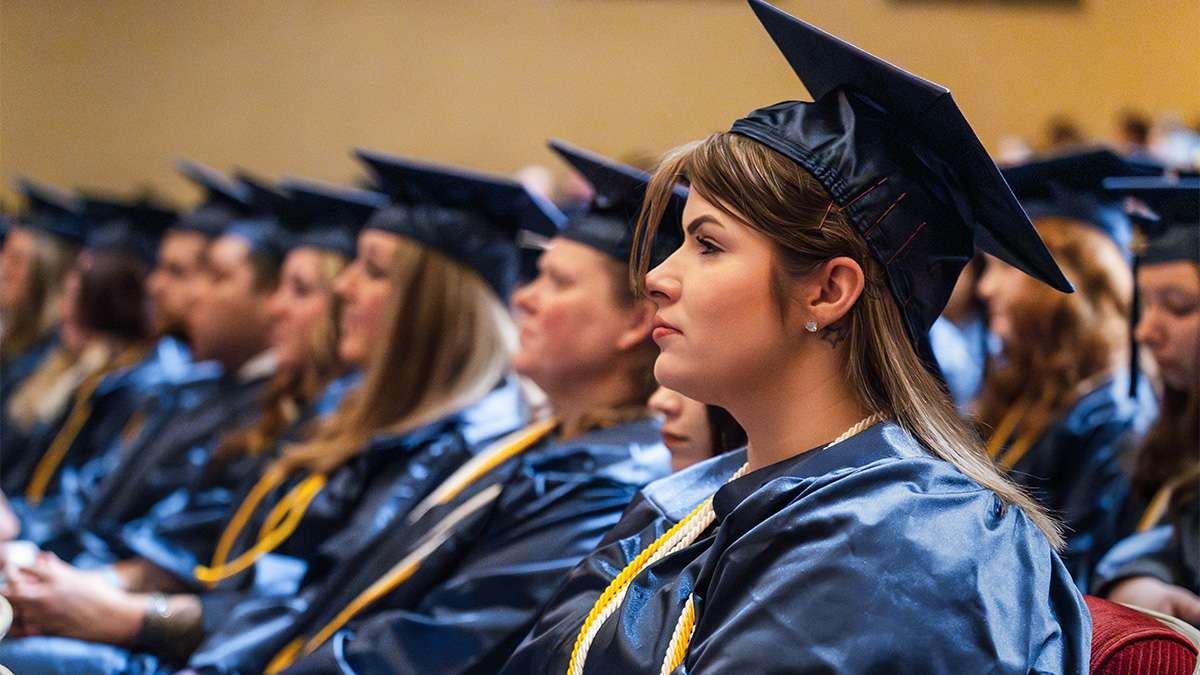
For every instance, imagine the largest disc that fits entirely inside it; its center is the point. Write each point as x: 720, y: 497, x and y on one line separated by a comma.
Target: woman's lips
x: 661, y: 332
x: 673, y: 440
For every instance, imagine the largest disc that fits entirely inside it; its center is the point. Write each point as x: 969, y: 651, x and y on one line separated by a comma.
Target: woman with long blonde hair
x: 1056, y: 404
x: 862, y: 529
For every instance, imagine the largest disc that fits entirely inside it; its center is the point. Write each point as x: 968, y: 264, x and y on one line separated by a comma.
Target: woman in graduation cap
x: 863, y: 529
x: 1159, y: 567
x: 1057, y: 403
x: 38, y: 252
x: 455, y: 588
x: 105, y: 321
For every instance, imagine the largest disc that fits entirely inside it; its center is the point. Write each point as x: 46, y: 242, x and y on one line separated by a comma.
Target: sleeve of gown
x: 474, y: 619
x: 1145, y: 554
x: 875, y: 578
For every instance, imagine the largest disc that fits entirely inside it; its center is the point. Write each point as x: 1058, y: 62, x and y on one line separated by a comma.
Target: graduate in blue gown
x: 453, y: 589
x: 862, y: 530
x: 40, y: 249
x: 1158, y: 567
x: 1057, y: 403
x: 105, y: 318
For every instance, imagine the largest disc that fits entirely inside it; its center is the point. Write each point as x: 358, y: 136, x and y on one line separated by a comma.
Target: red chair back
x: 1128, y: 642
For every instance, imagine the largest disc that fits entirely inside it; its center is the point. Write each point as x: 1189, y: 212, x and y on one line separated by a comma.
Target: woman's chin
x: 678, y: 375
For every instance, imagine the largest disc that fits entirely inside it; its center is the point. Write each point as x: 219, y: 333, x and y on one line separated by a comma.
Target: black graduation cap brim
x: 609, y: 222
x: 124, y: 226
x: 331, y: 215
x: 503, y: 201
x: 218, y: 188
x: 1176, y: 236
x: 824, y: 63
x: 52, y: 210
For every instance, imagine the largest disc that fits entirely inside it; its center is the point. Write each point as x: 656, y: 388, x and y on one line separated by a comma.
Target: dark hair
x: 1169, y: 448
x: 266, y: 270
x: 725, y: 432
x: 112, y: 296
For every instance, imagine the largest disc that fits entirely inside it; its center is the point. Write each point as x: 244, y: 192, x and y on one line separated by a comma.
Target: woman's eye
x: 375, y: 271
x: 707, y: 247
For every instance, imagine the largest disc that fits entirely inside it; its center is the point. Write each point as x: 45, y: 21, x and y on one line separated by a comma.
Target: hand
x: 1159, y: 596
x: 10, y: 526
x: 53, y: 598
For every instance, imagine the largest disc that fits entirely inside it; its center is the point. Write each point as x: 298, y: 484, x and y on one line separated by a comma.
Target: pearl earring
x: 811, y: 326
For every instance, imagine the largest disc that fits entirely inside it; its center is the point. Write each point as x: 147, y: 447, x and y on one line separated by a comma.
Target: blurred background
x: 107, y: 94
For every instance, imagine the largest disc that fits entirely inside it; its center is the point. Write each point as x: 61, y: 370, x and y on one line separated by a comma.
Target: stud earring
x: 811, y: 326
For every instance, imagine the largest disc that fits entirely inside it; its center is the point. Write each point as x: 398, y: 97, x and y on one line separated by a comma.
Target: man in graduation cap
x: 862, y: 529
x: 453, y: 588
x: 1159, y: 566
x: 1057, y: 403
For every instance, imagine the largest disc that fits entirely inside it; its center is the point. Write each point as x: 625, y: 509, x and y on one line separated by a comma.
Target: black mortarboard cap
x: 265, y: 227
x: 1176, y: 236
x: 1071, y: 185
x: 52, y: 210
x: 610, y: 220
x: 474, y: 218
x: 223, y: 200
x: 902, y: 163
x: 330, y: 216
x: 128, y: 226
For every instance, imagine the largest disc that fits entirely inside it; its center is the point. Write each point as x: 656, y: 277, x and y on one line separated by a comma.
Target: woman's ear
x: 830, y: 292
x: 639, y: 322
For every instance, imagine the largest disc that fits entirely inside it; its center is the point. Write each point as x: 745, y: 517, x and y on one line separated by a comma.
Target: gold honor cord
x: 81, y: 411
x: 466, y: 475
x: 1008, y: 458
x: 679, y: 537
x: 398, y: 574
x: 280, y: 524
x: 1162, y: 499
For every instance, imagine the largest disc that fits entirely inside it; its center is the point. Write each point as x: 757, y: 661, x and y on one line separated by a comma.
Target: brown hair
x: 777, y: 198
x: 291, y: 390
x: 38, y: 314
x: 447, y: 341
x: 1062, y: 342
x: 1170, y: 447
x: 112, y: 296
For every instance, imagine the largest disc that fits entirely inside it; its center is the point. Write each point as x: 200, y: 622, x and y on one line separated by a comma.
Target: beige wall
x: 106, y: 93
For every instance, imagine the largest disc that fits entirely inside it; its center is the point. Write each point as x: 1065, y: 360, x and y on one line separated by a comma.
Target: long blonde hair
x: 291, y: 390
x: 38, y: 313
x: 782, y: 201
x: 1061, y: 341
x: 447, y: 342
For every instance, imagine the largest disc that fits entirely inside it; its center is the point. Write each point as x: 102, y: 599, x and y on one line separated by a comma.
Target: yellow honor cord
x: 460, y: 480
x: 681, y: 637
x: 281, y: 523
x: 81, y: 411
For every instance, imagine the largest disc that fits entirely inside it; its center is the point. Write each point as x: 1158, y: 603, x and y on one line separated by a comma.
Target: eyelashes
x: 707, y: 247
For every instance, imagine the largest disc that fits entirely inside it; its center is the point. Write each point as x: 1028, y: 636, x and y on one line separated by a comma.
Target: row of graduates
x: 396, y: 504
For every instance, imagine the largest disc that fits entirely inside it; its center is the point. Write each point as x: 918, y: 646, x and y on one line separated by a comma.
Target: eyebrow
x: 700, y: 220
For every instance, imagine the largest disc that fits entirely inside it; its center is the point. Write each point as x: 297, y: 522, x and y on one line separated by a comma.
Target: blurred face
x: 169, y: 283
x: 16, y: 266
x: 718, y: 325
x: 228, y: 318
x: 297, y: 308
x: 685, y: 427
x: 1169, y: 325
x: 72, y: 331
x: 571, y: 324
x: 1007, y: 292
x: 364, y: 287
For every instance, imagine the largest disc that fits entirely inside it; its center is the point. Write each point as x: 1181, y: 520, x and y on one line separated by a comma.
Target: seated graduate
x: 455, y: 588
x: 1159, y: 567
x: 1057, y: 402
x: 172, y: 381
x: 822, y: 241
x: 105, y: 319
x: 39, y: 251
x: 693, y: 431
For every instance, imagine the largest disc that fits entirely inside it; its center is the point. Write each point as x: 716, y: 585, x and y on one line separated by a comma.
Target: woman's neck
x: 792, y: 412
x: 574, y: 402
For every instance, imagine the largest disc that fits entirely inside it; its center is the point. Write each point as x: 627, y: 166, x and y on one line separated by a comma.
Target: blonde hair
x: 448, y: 342
x: 1062, y: 341
x: 38, y: 313
x: 290, y: 390
x: 777, y: 198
